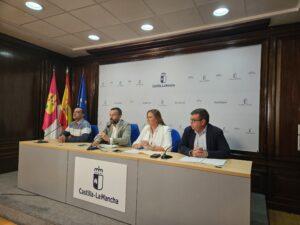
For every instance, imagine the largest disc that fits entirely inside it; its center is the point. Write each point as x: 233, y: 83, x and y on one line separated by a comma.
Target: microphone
x: 40, y: 141
x: 165, y: 156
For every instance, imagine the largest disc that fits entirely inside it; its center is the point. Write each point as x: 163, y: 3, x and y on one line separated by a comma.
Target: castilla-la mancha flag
x: 65, y: 117
x: 51, y: 124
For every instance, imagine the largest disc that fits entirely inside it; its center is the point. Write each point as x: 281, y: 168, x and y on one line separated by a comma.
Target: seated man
x: 78, y: 131
x: 116, y: 132
x: 202, y: 139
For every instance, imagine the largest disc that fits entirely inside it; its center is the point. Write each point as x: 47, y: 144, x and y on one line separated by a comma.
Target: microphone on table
x: 40, y: 141
x: 91, y: 147
x: 165, y: 156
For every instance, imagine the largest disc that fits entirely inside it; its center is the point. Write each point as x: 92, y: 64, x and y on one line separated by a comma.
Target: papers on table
x: 137, y: 151
x: 132, y: 151
x: 107, y: 146
x: 191, y: 159
x: 214, y: 162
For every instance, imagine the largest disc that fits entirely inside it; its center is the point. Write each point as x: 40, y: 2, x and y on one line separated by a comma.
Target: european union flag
x: 82, y: 98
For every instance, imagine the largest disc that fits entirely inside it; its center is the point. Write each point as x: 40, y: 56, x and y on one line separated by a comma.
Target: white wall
x: 225, y: 82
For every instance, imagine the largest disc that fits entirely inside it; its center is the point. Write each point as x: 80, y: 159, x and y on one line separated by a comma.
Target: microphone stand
x: 40, y: 141
x: 165, y: 156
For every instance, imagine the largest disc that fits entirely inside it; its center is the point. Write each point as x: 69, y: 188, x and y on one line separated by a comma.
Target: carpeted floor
x: 25, y: 208
x: 283, y: 218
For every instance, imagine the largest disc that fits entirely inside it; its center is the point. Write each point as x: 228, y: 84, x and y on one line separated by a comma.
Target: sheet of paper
x: 132, y: 151
x: 214, y: 162
x: 191, y: 159
x: 108, y: 146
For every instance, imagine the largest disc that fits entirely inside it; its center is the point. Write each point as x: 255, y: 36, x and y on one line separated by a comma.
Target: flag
x: 65, y: 117
x: 82, y: 98
x: 51, y: 123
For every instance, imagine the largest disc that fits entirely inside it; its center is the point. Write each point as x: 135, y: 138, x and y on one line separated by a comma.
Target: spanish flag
x: 51, y: 124
x: 65, y: 117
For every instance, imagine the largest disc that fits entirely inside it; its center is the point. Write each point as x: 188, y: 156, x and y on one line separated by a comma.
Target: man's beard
x: 114, y: 121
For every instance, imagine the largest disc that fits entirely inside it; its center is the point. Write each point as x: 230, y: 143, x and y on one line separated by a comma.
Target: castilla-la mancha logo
x: 98, y: 178
x: 163, y: 82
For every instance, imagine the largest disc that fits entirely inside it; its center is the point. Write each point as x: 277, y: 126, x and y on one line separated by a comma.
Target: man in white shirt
x: 116, y: 132
x: 202, y: 139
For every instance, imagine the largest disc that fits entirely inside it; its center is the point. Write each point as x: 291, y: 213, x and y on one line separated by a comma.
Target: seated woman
x: 155, y: 136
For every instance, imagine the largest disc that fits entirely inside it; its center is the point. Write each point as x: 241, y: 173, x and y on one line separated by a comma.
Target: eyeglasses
x: 194, y: 120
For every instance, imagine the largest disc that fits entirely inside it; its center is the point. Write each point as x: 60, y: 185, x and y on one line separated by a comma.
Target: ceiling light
x: 221, y: 11
x: 94, y: 37
x: 147, y: 27
x: 34, y: 5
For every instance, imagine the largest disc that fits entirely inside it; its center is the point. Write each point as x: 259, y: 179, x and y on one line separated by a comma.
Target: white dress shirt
x: 200, y: 140
x: 114, y: 133
x: 160, y: 137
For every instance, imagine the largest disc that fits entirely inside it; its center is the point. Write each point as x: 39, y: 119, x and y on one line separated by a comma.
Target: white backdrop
x: 225, y: 82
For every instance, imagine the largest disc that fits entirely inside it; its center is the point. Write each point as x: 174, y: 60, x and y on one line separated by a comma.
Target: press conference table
x: 158, y: 191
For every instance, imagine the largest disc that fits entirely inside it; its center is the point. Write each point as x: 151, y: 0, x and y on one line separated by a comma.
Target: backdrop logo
x: 220, y: 102
x: 139, y: 83
x: 102, y: 84
x: 251, y: 73
x: 162, y: 103
x: 163, y: 78
x: 218, y: 76
x: 203, y: 78
x: 250, y: 131
x: 245, y: 102
x: 179, y: 102
x: 163, y: 82
x: 235, y: 77
x: 118, y: 103
x: 120, y: 84
x: 146, y: 103
x: 98, y: 178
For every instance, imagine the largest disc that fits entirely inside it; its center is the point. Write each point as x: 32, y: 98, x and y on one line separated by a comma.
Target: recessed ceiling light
x: 221, y: 11
x: 147, y: 27
x: 94, y: 37
x: 34, y: 5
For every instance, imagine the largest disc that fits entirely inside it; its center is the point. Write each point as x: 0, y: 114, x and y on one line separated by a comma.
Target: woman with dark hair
x: 155, y: 136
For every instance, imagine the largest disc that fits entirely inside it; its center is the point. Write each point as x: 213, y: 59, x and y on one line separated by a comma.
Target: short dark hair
x: 203, y: 114
x: 118, y: 109
x: 80, y: 108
